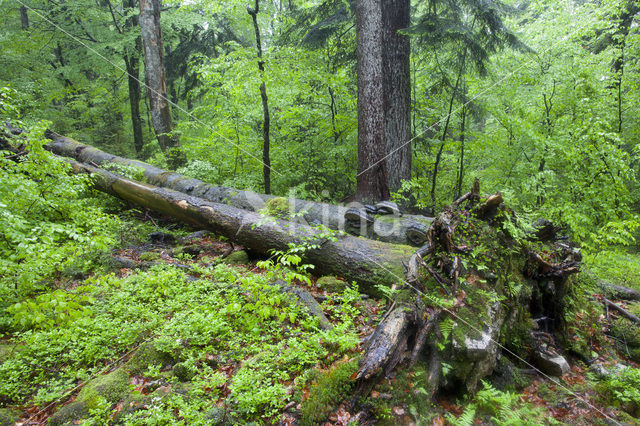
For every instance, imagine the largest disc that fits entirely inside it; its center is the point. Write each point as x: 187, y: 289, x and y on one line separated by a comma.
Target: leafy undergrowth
x: 236, y: 346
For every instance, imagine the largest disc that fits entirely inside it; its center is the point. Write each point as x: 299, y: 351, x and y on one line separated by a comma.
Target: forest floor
x: 183, y: 327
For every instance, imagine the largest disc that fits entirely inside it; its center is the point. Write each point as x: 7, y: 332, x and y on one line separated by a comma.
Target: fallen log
x: 618, y: 291
x: 405, y: 229
x: 628, y: 315
x: 368, y: 262
x: 467, y: 289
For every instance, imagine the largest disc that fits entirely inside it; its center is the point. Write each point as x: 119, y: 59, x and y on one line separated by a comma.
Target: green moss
x: 6, y: 351
x: 237, y: 258
x: 277, y: 207
x: 183, y: 372
x: 331, y: 284
x: 69, y: 414
x: 145, y: 356
x: 149, y: 256
x: 112, y: 387
x: 327, y: 391
x: 8, y: 416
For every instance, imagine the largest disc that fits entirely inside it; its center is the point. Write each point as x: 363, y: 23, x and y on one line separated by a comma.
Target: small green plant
x: 57, y: 308
x: 623, y: 390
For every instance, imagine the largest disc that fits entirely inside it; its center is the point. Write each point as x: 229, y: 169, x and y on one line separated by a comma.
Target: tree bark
x: 371, y: 181
x: 266, y: 124
x: 391, y: 229
x: 132, y: 63
x: 368, y: 262
x: 155, y: 77
x: 24, y: 18
x: 397, y: 90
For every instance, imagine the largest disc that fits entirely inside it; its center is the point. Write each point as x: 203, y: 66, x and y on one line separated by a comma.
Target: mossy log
x: 387, y: 228
x: 365, y: 261
x: 465, y: 291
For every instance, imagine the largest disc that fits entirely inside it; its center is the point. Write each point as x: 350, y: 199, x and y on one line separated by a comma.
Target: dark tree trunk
x: 154, y: 71
x: 24, y: 18
x: 132, y: 63
x: 266, y: 157
x: 458, y: 191
x: 371, y: 181
x: 397, y: 90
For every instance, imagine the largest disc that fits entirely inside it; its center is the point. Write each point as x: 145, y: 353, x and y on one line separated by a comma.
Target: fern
x: 465, y: 419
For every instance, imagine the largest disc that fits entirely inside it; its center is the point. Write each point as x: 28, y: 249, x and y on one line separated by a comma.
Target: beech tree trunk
x: 391, y: 228
x: 368, y: 262
x: 154, y: 72
x: 397, y: 90
x: 371, y: 181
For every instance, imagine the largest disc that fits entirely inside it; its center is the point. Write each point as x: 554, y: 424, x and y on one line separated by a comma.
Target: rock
x: 162, y: 238
x: 370, y: 209
x: 183, y: 372
x: 550, y: 362
x: 331, y: 284
x: 9, y: 416
x: 112, y: 387
x: 475, y: 352
x: 599, y: 370
x: 145, y: 356
x: 69, y: 414
x: 237, y: 258
x: 196, y: 236
x: 304, y: 298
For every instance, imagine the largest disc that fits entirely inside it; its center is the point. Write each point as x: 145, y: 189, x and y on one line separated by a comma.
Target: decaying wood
x: 412, y: 327
x: 368, y: 262
x: 628, y: 315
x: 618, y: 291
x: 392, y: 229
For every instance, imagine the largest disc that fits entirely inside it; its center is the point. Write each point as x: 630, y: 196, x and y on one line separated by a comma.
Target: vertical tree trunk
x: 266, y: 158
x: 397, y: 90
x: 24, y: 18
x: 154, y: 71
x: 371, y: 181
x: 458, y: 191
x: 132, y: 62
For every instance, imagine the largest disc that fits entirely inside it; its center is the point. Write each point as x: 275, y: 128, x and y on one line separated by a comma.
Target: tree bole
x: 389, y: 228
x: 365, y: 261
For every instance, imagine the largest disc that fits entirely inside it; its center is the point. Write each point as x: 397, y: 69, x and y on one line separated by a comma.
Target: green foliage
x: 57, y: 308
x: 623, y: 389
x: 495, y: 406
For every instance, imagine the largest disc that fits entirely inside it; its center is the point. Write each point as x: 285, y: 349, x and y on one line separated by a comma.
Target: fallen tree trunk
x: 467, y: 289
x: 390, y: 228
x: 365, y: 261
x: 618, y: 291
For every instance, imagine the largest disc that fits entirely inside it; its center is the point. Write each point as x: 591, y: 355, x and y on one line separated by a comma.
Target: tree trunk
x: 397, y: 91
x: 24, y: 18
x: 368, y: 262
x: 154, y: 72
x: 371, y: 181
x: 266, y: 158
x: 391, y: 229
x: 132, y: 63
